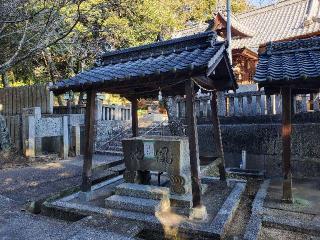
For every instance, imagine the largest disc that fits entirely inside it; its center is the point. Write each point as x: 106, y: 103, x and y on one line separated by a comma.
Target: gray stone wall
x: 263, y: 145
x: 106, y: 130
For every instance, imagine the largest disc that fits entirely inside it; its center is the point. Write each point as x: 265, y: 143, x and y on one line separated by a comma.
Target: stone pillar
x: 75, y: 138
x: 278, y: 104
x: 221, y: 104
x: 231, y: 106
x: 254, y: 106
x: 236, y: 106
x: 258, y: 105
x: 99, y: 109
x: 316, y: 106
x: 269, y: 105
x: 247, y: 105
x: 304, y: 107
x: 103, y: 113
x: 29, y: 118
x: 65, y: 138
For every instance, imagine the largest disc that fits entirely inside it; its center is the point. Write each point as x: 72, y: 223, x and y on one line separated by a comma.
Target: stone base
x: 86, y: 196
x: 199, y: 213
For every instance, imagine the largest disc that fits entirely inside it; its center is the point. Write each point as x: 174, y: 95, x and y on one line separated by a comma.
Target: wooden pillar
x: 89, y: 141
x: 217, y: 136
x: 193, y: 143
x: 134, y: 117
x: 286, y: 144
x: 143, y: 177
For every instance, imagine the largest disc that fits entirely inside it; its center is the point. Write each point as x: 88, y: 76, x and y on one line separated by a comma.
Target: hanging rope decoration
x: 202, y: 88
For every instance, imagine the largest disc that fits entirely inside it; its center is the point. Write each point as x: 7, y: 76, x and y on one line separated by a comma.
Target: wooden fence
x: 14, y: 99
x: 14, y: 126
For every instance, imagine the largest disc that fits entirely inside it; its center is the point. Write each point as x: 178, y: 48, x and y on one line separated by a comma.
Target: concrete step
x: 134, y: 204
x: 142, y: 191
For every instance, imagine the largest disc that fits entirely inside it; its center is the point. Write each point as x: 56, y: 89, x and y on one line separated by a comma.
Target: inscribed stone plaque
x: 148, y: 149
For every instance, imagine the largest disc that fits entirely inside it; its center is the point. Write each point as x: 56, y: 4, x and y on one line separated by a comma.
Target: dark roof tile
x: 289, y: 61
x: 167, y: 57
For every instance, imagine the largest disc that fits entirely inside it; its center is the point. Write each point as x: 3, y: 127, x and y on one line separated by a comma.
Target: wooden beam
x: 286, y: 144
x: 89, y: 141
x: 193, y: 143
x: 217, y: 136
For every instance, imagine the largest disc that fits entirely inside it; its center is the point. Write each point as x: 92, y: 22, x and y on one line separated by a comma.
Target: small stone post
x: 65, y: 138
x: 29, y: 118
x: 75, y: 136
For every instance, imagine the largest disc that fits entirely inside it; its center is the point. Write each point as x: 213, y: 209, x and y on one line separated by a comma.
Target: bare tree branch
x: 42, y: 29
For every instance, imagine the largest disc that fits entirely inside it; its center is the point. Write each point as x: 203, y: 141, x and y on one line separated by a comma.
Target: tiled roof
x: 237, y: 24
x: 179, y: 56
x: 294, y: 62
x: 196, y: 28
x: 202, y: 27
x: 280, y: 21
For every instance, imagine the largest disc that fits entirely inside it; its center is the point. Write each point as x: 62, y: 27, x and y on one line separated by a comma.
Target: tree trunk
x: 53, y: 71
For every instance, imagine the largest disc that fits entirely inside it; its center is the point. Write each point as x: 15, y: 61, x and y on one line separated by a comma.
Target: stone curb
x: 279, y: 222
x: 226, y: 212
x: 213, y: 230
x: 255, y: 222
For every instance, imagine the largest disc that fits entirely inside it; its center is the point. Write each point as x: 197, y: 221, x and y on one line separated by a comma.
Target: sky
x: 259, y: 3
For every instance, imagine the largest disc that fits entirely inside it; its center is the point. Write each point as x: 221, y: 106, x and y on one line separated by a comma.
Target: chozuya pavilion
x: 174, y: 67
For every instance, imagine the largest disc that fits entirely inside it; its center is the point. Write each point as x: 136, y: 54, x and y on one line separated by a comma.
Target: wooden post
x: 193, y: 143
x: 89, y: 141
x: 217, y: 136
x: 286, y: 144
x: 134, y: 117
x: 143, y: 177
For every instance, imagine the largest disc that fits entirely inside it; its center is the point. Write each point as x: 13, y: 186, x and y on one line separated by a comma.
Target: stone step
x: 134, y: 204
x: 114, y: 148
x: 119, y: 168
x: 142, y: 191
x: 107, y: 165
x: 153, y: 192
x: 103, y: 175
x: 109, y: 152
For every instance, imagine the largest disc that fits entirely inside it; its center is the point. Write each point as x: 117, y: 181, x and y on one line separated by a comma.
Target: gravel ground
x: 40, y: 181
x: 277, y: 234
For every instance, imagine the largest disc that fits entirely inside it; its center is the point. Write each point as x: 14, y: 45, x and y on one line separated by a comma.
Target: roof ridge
x: 273, y: 6
x: 160, y: 43
x: 161, y: 47
x: 300, y: 45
